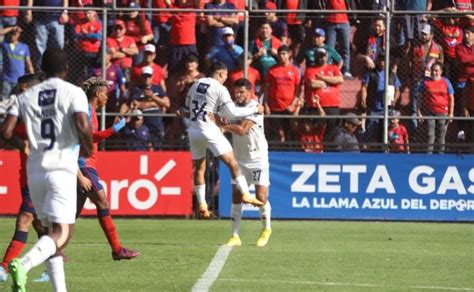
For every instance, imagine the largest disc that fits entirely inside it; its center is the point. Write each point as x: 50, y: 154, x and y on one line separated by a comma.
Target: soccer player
x: 56, y: 121
x: 209, y: 95
x: 96, y: 91
x: 27, y: 214
x: 251, y: 152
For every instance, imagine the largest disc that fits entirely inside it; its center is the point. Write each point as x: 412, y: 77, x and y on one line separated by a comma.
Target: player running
x: 56, y: 121
x: 89, y: 185
x: 27, y: 214
x: 208, y: 95
x: 251, y: 152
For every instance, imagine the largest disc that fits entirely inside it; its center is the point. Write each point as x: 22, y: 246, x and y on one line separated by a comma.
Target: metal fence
x: 91, y: 37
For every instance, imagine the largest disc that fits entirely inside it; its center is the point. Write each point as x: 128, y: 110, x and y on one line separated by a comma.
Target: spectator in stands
x: 322, y: 85
x: 422, y: 57
x: 436, y: 100
x: 281, y: 94
x: 465, y: 58
x: 123, y: 47
x: 150, y: 99
x: 228, y: 53
x: 345, y: 139
x: 160, y: 23
x: 49, y: 26
x: 239, y: 29
x: 468, y: 111
x: 295, y: 21
x: 183, y: 35
x: 311, y: 131
x: 372, y: 97
x: 136, y: 134
x: 371, y: 48
x: 159, y: 74
x: 16, y: 61
x: 397, y: 134
x: 217, y: 21
x: 308, y: 55
x: 279, y: 27
x: 139, y: 28
x: 411, y: 25
x: 338, y: 28
x: 88, y: 32
x: 450, y: 36
x: 264, y: 49
x: 252, y: 75
x: 8, y: 17
x: 458, y: 5
x: 116, y: 89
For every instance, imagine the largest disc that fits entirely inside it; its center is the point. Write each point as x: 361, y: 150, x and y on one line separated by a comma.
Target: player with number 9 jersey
x: 47, y: 111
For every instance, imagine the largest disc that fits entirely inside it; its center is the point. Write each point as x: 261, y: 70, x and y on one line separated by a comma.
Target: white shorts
x: 211, y: 139
x: 256, y: 174
x: 54, y: 196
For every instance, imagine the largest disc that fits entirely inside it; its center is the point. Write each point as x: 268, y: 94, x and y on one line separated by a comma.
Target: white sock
x: 265, y: 215
x: 242, y: 185
x: 55, y: 268
x: 236, y: 212
x: 200, y: 193
x: 40, y: 252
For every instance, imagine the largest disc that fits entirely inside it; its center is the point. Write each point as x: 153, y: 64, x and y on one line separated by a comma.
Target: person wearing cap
x: 345, y: 139
x: 436, y: 99
x: 318, y: 41
x: 398, y: 138
x: 279, y: 26
x: 16, y: 61
x: 282, y: 89
x: 338, y: 28
x: 228, y: 53
x: 136, y: 134
x: 253, y: 76
x: 422, y: 57
x: 123, y: 47
x: 149, y: 57
x: 322, y: 84
x: 151, y: 99
x: 217, y: 21
x: 138, y: 27
x: 264, y: 49
x: 372, y: 97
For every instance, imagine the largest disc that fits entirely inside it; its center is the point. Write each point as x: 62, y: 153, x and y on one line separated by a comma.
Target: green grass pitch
x: 301, y: 256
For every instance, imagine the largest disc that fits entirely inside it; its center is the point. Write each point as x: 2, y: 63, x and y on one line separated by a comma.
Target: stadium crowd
x: 297, y: 64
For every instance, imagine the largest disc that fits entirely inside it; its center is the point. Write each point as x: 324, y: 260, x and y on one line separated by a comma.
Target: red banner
x: 136, y: 183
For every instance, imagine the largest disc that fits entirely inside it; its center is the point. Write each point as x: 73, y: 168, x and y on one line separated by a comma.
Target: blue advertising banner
x: 365, y: 187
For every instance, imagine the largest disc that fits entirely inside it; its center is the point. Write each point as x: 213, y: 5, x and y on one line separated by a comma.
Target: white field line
x: 348, y: 284
x: 213, y: 270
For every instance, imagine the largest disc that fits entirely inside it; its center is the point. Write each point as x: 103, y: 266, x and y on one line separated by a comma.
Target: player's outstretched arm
x: 230, y: 111
x: 84, y: 130
x: 242, y: 129
x: 7, y: 128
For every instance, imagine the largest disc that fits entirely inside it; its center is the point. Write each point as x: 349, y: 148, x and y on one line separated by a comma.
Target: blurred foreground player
x: 27, y: 214
x: 56, y: 121
x: 89, y: 185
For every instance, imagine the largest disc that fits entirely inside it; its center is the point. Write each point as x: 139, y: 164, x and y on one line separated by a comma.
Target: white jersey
x: 252, y: 147
x: 47, y: 110
x: 207, y: 95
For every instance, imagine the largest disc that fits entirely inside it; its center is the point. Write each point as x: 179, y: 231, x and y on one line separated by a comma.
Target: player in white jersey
x: 209, y: 96
x: 251, y: 152
x: 56, y: 121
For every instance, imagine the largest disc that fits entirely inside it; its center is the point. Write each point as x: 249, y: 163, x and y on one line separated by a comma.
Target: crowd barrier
x: 365, y: 187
